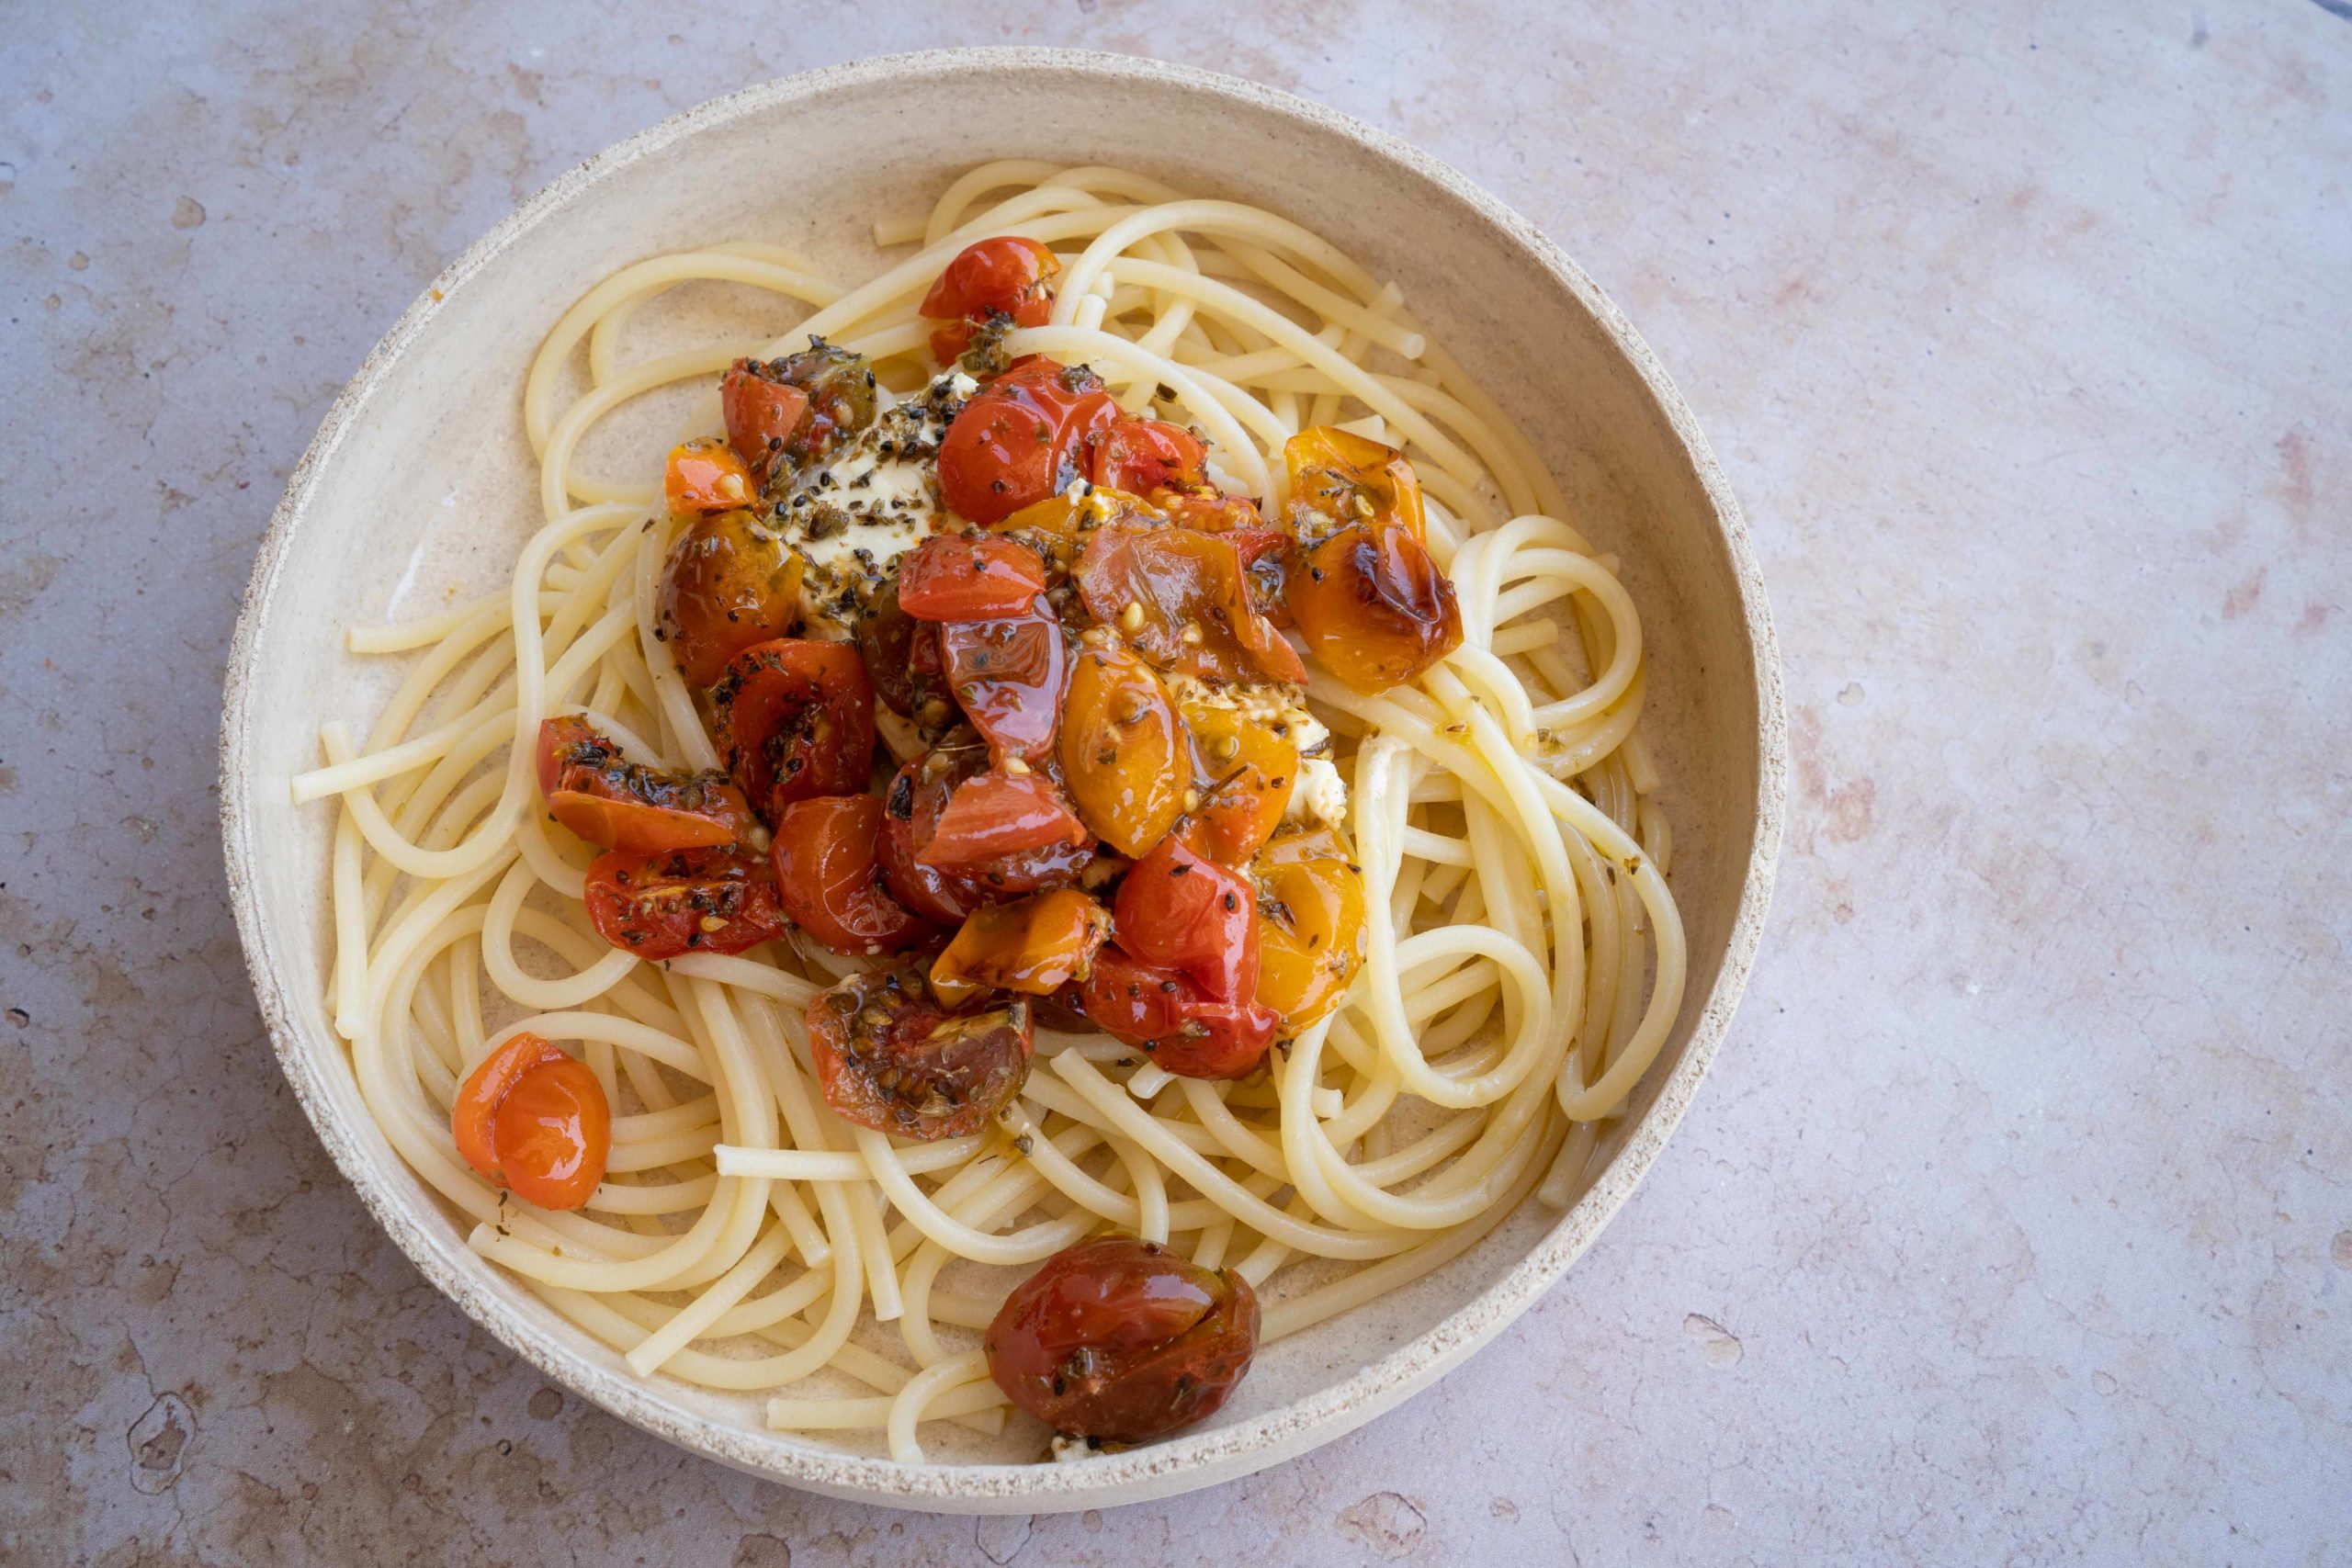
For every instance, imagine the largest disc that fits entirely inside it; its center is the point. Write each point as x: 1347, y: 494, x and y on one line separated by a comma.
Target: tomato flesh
x: 1021, y: 439
x: 705, y: 475
x: 903, y: 662
x: 1338, y: 480
x: 1167, y: 1014
x: 1122, y: 1339
x: 608, y: 800
x: 916, y: 800
x: 761, y: 412
x: 829, y: 876
x: 730, y: 583
x: 721, y: 900
x: 889, y: 1059
x: 794, y: 721
x: 1310, y: 925
x: 996, y: 814
x: 969, y: 578
x: 1034, y: 946
x: 534, y: 1121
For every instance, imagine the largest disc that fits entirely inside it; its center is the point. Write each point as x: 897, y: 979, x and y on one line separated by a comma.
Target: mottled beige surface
x: 2014, y: 1222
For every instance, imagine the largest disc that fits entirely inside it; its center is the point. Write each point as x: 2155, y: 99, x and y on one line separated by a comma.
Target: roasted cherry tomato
x: 1021, y: 439
x: 1008, y: 677
x: 657, y: 907
x: 1122, y: 1339
x: 1006, y: 276
x: 1207, y: 510
x: 1123, y: 747
x: 889, y: 1059
x: 840, y: 389
x: 1338, y: 480
x: 795, y: 720
x: 1164, y: 1012
x: 729, y: 582
x: 829, y: 876
x: 1248, y: 773
x: 1036, y: 945
x: 903, y: 659
x: 1139, y: 456
x: 606, y: 799
x: 969, y: 578
x: 996, y: 814
x: 1190, y: 914
x: 705, y: 475
x: 1181, y: 598
x: 1374, y: 609
x: 917, y: 798
x: 761, y: 412
x: 536, y: 1122
x: 1310, y: 925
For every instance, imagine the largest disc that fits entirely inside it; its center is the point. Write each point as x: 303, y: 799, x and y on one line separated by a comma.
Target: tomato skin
x: 730, y: 583
x: 889, y: 1059
x: 608, y: 800
x: 1008, y: 676
x: 705, y: 475
x: 1164, y: 1012
x: 1034, y: 946
x: 794, y: 721
x: 1006, y: 275
x: 657, y: 907
x: 1181, y: 598
x: 1021, y: 439
x: 1123, y: 748
x: 1373, y: 608
x: 1310, y: 927
x: 761, y: 412
x: 1190, y: 914
x: 998, y: 814
x: 1122, y: 1339
x: 534, y: 1121
x: 969, y: 578
x: 829, y: 876
x: 1140, y: 456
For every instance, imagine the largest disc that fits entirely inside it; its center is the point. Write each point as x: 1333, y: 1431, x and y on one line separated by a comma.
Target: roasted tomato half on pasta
x: 1007, y: 277
x: 661, y: 905
x: 890, y: 1058
x: 606, y: 799
x: 536, y: 1122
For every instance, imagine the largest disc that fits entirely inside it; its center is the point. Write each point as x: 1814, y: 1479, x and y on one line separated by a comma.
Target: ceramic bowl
x: 420, y: 485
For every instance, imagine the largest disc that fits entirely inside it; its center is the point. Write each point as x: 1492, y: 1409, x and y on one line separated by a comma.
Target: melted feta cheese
x: 1319, y: 793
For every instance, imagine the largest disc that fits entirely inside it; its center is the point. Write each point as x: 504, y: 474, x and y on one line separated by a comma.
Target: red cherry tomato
x: 1181, y: 598
x: 889, y: 1059
x: 1164, y: 1012
x: 1009, y: 677
x: 1122, y: 1339
x: 1192, y: 915
x: 536, y: 1122
x: 1139, y: 456
x: 606, y: 799
x: 658, y: 907
x: 911, y: 809
x: 969, y: 578
x: 795, y: 720
x: 995, y: 815
x: 1006, y: 275
x: 829, y: 878
x: 762, y: 414
x: 705, y: 475
x: 1021, y: 439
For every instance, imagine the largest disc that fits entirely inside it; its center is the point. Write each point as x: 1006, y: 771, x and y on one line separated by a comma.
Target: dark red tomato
x: 998, y: 815
x: 840, y: 388
x: 889, y: 1059
x: 1140, y: 456
x: 730, y: 583
x: 1009, y: 677
x: 969, y: 578
x: 536, y: 1122
x: 1374, y: 609
x: 1122, y: 1339
x: 1006, y: 276
x: 705, y: 475
x: 1181, y: 598
x: 1164, y: 1012
x: 658, y: 907
x: 762, y: 414
x: 1192, y: 915
x: 608, y: 800
x: 903, y: 660
x: 1021, y: 439
x: 1036, y: 945
x: 794, y: 721
x: 829, y: 876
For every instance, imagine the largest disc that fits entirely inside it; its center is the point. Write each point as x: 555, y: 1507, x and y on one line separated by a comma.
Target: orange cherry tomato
x: 1248, y: 772
x: 1006, y: 276
x: 1338, y: 480
x: 795, y: 720
x: 606, y: 799
x: 1008, y: 676
x: 1122, y: 1339
x: 969, y: 578
x: 1183, y: 598
x: 1021, y: 439
x: 889, y: 1059
x: 1036, y: 944
x: 705, y: 475
x: 1139, y: 456
x: 1123, y: 748
x: 761, y: 412
x: 536, y: 1122
x: 1310, y: 926
x: 830, y: 880
x: 728, y: 584
x: 1374, y: 609
x: 657, y: 907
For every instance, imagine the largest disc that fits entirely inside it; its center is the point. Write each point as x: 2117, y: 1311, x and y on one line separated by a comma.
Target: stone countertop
x: 2014, y: 1223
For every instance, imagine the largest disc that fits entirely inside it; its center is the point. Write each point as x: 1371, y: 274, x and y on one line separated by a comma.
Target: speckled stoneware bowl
x: 419, y: 484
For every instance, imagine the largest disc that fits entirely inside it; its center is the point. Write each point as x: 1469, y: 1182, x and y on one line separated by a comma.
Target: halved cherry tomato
x: 536, y: 1122
x: 1007, y: 676
x: 729, y: 582
x: 1021, y: 439
x: 1036, y: 944
x: 1310, y: 925
x: 1165, y: 1012
x: 606, y: 799
x: 1181, y: 598
x: 1122, y: 1339
x: 1140, y: 456
x: 911, y: 808
x: 1190, y: 914
x: 761, y: 412
x: 795, y: 720
x: 1374, y: 609
x: 889, y: 1059
x: 705, y: 475
x: 657, y: 907
x: 830, y: 880
x: 969, y: 578
x: 1007, y: 274
x: 840, y: 388
x: 903, y: 659
x: 1123, y: 748
x: 1338, y: 480
x: 999, y: 814
x: 1249, y: 772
